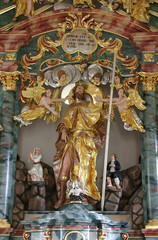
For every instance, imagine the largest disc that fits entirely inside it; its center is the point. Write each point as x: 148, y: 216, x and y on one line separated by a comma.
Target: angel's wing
x: 34, y: 93
x: 135, y: 99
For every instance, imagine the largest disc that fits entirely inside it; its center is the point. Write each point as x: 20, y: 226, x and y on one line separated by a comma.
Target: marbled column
x: 150, y: 158
x: 8, y: 146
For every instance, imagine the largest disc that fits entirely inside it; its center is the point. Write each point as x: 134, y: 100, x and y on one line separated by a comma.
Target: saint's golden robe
x: 86, y: 135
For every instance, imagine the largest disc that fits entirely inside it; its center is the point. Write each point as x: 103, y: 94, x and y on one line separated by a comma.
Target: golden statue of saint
x: 81, y: 134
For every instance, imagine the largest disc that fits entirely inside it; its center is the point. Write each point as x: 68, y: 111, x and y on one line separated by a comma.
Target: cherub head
x: 39, y: 76
x: 83, y: 64
x: 97, y: 78
x: 62, y: 77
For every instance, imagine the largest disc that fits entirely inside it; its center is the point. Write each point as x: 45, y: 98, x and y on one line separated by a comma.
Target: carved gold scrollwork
x: 149, y: 81
x: 72, y: 32
x: 43, y: 44
x: 131, y: 81
x: 9, y: 80
x: 116, y: 46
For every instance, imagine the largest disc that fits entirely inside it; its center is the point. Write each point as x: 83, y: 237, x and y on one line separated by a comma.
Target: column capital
x: 149, y: 80
x: 9, y: 80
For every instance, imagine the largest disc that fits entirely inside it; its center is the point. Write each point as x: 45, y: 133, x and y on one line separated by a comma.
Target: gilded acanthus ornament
x: 149, y: 80
x: 139, y: 9
x: 148, y: 57
x: 77, y: 40
x: 9, y: 80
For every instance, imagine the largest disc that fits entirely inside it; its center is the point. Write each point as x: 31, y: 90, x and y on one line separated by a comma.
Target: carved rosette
x: 26, y: 236
x: 102, y: 235
x: 9, y: 80
x: 125, y: 236
x: 149, y: 81
x: 47, y: 235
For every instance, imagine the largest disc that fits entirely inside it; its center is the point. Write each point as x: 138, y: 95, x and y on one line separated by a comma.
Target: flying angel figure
x: 127, y: 113
x: 47, y: 108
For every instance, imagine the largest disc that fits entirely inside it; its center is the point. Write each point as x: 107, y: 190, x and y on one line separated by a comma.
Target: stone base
x: 74, y: 221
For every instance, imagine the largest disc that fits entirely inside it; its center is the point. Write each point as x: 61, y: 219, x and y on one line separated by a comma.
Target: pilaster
x: 10, y: 42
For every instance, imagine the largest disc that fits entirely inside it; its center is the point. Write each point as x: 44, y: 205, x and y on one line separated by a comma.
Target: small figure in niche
x: 114, y: 168
x: 36, y: 171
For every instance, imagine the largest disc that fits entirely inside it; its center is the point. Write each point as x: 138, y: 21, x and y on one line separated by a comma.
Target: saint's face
x: 79, y: 90
x: 79, y: 93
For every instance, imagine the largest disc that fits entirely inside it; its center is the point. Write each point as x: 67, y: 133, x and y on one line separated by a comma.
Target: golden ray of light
x: 38, y: 11
x: 153, y: 13
x: 7, y: 9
